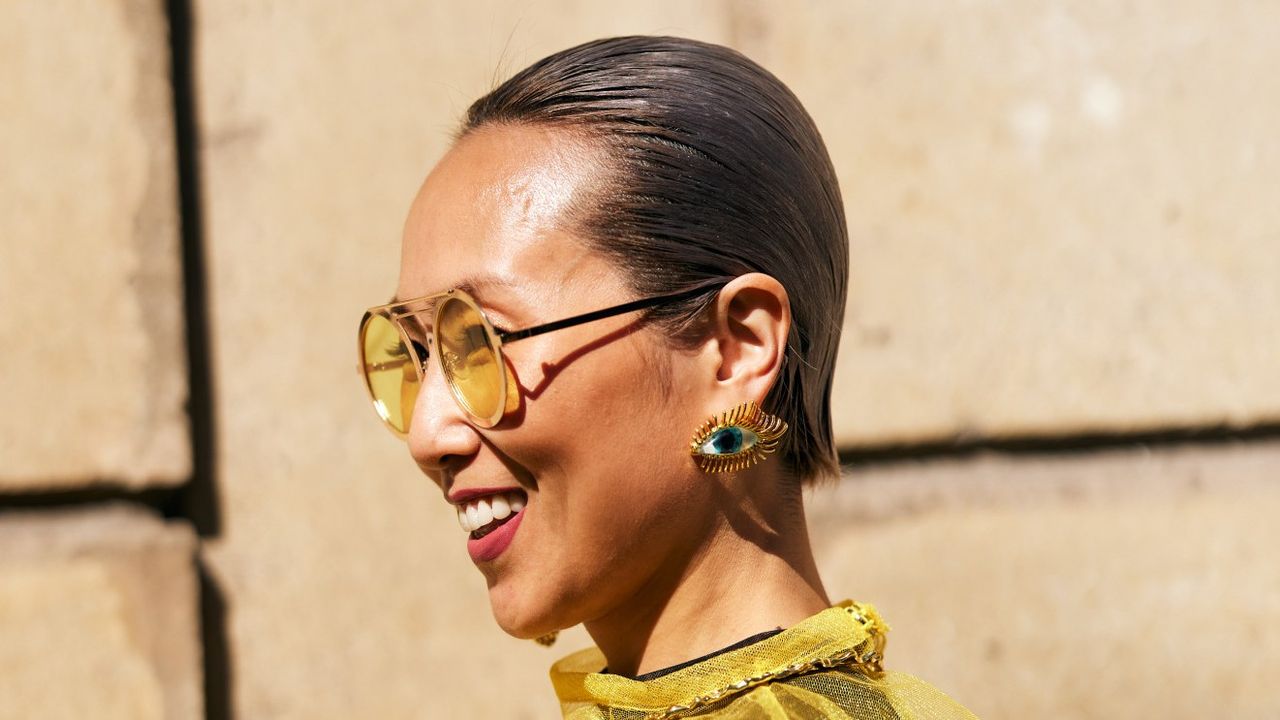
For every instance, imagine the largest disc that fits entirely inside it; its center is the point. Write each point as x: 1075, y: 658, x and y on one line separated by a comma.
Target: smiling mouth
x: 481, y: 516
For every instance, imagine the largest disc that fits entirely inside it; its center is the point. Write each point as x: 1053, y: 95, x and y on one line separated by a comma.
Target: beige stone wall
x: 1119, y: 583
x: 94, y: 369
x: 1061, y: 214
x: 99, y: 602
x: 99, y: 616
x: 1061, y: 225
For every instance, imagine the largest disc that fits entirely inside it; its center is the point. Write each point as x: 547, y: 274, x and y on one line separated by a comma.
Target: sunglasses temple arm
x: 515, y: 335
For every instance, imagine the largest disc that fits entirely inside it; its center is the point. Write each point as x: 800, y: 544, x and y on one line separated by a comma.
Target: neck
x: 754, y: 572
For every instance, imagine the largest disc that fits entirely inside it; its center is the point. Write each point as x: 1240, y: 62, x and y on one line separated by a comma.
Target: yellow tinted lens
x: 390, y: 371
x: 469, y: 359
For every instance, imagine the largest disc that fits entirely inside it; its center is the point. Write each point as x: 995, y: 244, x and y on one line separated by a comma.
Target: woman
x: 630, y: 268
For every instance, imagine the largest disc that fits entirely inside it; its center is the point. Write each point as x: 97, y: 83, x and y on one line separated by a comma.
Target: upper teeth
x: 475, y: 514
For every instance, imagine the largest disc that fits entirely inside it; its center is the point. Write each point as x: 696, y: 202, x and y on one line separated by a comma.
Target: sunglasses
x: 396, y: 342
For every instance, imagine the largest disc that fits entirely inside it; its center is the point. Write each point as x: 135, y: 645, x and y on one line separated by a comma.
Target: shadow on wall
x: 198, y: 500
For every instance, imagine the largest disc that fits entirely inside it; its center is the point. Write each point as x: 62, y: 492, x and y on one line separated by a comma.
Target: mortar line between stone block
x: 1074, y: 444
x: 198, y: 500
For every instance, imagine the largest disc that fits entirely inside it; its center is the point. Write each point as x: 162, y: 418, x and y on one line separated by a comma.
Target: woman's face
x: 597, y: 445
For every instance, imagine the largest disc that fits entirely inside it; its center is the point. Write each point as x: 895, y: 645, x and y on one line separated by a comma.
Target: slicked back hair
x: 715, y: 170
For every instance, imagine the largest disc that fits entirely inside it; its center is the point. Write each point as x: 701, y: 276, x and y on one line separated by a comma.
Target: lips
x: 490, y: 519
x: 494, y: 542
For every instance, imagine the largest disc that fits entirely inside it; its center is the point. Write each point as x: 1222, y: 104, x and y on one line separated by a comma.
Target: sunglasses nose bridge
x: 417, y: 339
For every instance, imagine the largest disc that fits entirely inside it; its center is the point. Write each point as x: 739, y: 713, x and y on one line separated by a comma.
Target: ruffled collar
x: 846, y: 634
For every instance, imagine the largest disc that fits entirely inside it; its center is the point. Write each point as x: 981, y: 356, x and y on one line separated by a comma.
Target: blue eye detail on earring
x: 738, y: 439
x: 728, y: 441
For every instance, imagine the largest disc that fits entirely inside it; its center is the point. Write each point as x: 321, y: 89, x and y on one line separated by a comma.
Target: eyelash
x: 397, y: 349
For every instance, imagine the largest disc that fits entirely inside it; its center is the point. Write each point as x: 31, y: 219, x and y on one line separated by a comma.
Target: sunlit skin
x: 660, y: 562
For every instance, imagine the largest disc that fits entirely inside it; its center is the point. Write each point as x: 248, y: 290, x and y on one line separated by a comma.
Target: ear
x: 747, y: 341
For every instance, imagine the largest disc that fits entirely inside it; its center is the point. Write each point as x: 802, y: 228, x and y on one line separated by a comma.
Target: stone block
x: 99, y: 615
x: 1061, y: 216
x: 1127, y: 583
x: 91, y: 339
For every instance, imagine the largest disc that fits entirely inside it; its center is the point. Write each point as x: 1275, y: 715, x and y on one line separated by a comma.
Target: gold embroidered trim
x: 867, y: 657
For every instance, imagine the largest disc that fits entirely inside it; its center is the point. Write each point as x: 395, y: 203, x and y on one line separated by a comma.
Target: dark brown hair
x: 717, y: 170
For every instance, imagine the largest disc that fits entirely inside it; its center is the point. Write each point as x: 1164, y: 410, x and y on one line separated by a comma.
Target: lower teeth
x: 477, y: 534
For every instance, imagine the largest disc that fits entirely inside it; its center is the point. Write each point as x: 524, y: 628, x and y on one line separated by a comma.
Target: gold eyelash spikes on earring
x: 738, y: 439
x: 547, y: 640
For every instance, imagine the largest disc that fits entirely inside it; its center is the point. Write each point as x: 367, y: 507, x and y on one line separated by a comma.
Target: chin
x: 523, y: 615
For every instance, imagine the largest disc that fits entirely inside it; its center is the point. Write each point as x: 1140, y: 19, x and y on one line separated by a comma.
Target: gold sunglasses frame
x: 396, y: 311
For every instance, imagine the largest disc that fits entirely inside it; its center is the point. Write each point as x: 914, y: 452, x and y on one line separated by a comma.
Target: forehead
x: 499, y: 205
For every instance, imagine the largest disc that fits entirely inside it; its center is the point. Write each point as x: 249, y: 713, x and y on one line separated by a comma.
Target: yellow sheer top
x: 827, y: 666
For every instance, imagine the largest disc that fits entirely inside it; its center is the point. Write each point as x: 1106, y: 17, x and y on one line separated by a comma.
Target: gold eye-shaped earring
x: 737, y: 439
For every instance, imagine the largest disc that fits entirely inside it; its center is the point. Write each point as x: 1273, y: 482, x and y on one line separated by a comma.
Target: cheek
x: 618, y: 497
x: 606, y: 403
x: 602, y: 437
x: 623, y: 470
x: 613, y: 413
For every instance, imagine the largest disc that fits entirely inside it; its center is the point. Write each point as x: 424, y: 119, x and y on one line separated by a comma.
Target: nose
x: 440, y: 436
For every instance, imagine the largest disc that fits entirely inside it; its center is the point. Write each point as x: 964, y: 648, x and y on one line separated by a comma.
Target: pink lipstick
x: 492, y: 544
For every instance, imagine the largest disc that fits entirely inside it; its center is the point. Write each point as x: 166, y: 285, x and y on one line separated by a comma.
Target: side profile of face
x: 595, y: 442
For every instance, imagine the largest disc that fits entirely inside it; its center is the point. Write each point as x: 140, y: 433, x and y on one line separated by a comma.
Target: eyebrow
x: 475, y: 286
